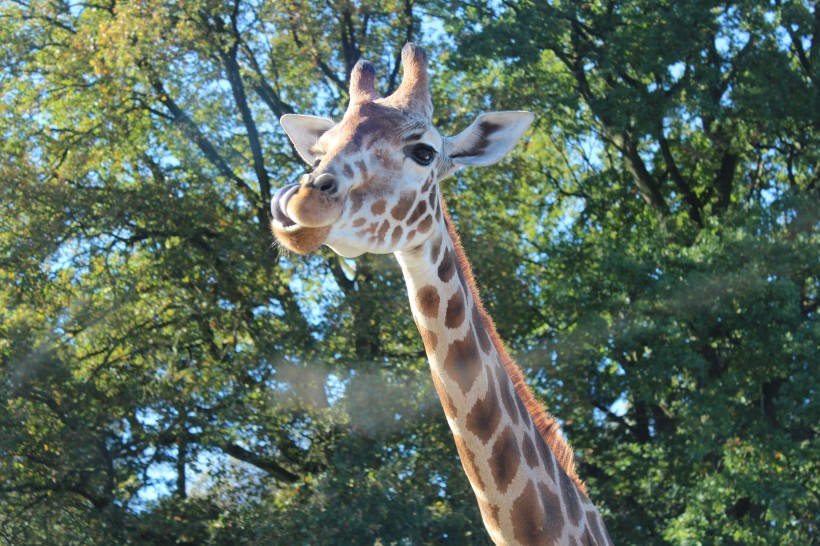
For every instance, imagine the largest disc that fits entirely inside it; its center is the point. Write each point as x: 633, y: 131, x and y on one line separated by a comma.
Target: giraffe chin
x: 292, y: 232
x: 343, y: 250
x: 302, y: 240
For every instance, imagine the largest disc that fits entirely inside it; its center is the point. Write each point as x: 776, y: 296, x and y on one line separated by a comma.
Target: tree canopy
x: 650, y: 254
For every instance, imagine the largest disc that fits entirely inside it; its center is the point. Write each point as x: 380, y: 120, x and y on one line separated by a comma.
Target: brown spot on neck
x: 435, y: 247
x: 506, y: 396
x: 454, y: 316
x: 450, y: 409
x: 447, y: 267
x: 528, y: 449
x: 463, y: 363
x: 536, y: 518
x: 481, y: 330
x: 468, y: 462
x: 601, y: 535
x: 485, y: 415
x: 505, y: 459
x: 571, y: 501
x: 489, y: 513
x: 426, y: 224
x: 428, y: 300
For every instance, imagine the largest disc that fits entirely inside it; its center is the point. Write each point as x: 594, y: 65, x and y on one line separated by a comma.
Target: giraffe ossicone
x: 375, y: 188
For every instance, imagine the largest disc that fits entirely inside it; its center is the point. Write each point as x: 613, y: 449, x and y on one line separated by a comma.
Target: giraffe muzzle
x: 279, y: 204
x: 314, y: 202
x: 289, y: 231
x: 325, y: 183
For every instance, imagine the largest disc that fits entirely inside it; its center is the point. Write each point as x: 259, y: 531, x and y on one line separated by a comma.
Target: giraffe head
x: 374, y: 187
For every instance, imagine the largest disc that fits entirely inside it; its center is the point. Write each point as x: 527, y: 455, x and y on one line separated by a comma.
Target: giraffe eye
x: 422, y: 154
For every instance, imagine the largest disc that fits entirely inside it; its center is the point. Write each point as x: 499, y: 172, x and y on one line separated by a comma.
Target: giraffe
x: 375, y: 188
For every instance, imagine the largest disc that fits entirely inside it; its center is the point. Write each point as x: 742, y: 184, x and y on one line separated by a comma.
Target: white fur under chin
x: 344, y: 250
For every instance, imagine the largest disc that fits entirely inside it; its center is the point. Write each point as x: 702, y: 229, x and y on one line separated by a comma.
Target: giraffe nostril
x: 325, y: 183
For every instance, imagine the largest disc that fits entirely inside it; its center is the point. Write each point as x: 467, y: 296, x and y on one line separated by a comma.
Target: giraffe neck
x: 518, y: 464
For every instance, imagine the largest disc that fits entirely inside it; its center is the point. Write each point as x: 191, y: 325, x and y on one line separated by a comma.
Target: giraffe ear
x: 489, y: 138
x: 304, y: 132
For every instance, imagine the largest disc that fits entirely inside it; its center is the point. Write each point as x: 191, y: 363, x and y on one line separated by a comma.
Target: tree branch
x: 647, y: 185
x: 229, y: 60
x: 263, y: 89
x: 683, y: 186
x: 190, y: 130
x: 263, y: 463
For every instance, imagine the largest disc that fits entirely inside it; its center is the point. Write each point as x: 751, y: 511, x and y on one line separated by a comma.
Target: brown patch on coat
x: 383, y: 229
x: 378, y: 207
x: 450, y: 409
x: 447, y: 267
x: 489, y: 513
x: 506, y: 396
x: 600, y: 532
x: 406, y: 201
x: 468, y: 462
x: 435, y: 247
x: 481, y: 331
x: 571, y: 501
x: 426, y: 224
x: 528, y: 449
x: 356, y: 200
x: 388, y: 161
x: 504, y: 459
x: 420, y: 209
x: 546, y: 457
x: 428, y: 300
x: 553, y: 516
x: 362, y: 166
x: 358, y: 222
x: 369, y: 230
x: 454, y: 316
x: 427, y: 184
x: 531, y: 521
x: 463, y: 363
x: 484, y: 417
x: 397, y: 233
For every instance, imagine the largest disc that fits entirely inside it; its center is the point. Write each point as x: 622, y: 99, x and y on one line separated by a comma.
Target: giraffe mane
x: 546, y: 424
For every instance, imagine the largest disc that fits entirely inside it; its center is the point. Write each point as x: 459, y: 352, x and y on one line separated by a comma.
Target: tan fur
x: 311, y: 208
x: 546, y: 424
x: 302, y: 240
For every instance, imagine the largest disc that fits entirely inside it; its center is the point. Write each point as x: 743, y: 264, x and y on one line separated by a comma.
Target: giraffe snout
x: 325, y: 183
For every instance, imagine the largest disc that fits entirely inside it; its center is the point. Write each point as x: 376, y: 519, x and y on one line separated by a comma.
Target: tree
x: 651, y: 256
x: 671, y: 245
x: 165, y: 377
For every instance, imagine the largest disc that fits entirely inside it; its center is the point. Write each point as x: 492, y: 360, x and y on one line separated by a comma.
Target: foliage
x: 670, y: 244
x: 650, y: 254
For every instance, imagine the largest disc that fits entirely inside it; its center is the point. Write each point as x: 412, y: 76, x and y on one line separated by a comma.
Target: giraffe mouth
x: 279, y: 206
x: 290, y: 232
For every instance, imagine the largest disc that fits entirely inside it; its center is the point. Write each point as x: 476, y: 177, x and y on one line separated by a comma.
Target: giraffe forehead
x: 367, y: 124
